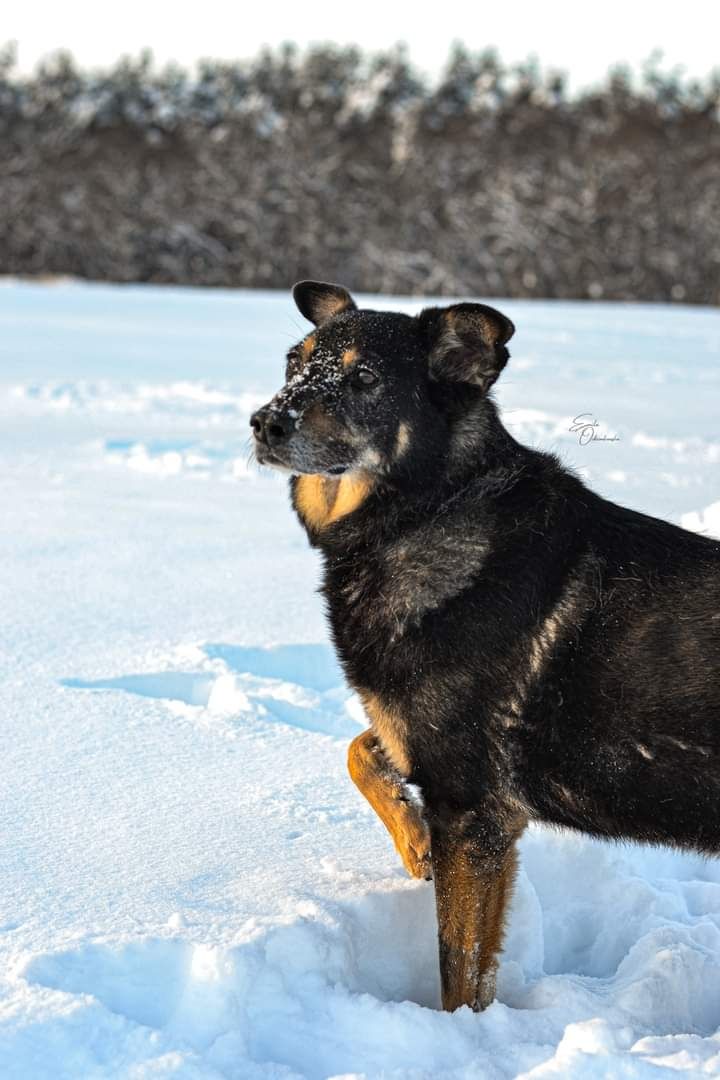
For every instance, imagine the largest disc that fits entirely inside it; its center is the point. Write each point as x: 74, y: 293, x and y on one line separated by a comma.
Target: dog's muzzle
x: 272, y: 428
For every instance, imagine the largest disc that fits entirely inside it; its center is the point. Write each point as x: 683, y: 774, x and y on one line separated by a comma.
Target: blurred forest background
x: 332, y: 163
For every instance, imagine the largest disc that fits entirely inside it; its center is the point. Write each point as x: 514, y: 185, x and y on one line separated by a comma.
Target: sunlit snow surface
x: 191, y: 886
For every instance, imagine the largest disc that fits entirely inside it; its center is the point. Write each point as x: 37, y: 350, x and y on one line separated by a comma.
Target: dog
x: 525, y: 649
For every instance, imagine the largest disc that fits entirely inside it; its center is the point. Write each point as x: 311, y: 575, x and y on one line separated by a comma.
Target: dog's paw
x: 425, y: 867
x: 414, y: 850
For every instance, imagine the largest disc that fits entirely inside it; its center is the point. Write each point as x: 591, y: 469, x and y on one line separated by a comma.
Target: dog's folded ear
x: 319, y: 301
x: 466, y: 342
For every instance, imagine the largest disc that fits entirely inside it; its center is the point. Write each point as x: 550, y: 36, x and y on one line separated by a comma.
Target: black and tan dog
x: 525, y: 649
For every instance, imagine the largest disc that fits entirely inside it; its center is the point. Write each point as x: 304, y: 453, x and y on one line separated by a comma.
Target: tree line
x: 490, y: 180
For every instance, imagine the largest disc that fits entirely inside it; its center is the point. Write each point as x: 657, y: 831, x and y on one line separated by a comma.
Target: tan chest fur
x: 321, y: 500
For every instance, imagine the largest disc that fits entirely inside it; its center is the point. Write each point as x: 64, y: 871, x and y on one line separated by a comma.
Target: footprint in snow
x: 331, y: 957
x: 299, y: 685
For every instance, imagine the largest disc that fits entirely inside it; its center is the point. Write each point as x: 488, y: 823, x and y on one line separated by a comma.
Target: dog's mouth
x: 273, y: 461
x: 263, y: 456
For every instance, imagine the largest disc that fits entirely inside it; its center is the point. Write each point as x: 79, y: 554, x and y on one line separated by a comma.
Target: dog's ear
x: 319, y: 301
x: 466, y: 342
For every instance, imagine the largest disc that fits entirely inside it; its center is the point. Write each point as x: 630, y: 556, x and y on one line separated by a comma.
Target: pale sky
x: 581, y: 38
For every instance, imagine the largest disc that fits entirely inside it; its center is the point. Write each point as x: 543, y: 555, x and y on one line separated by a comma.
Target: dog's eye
x: 293, y: 364
x: 364, y: 377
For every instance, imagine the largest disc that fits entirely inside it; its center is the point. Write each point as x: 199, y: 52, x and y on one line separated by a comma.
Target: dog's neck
x: 359, y: 508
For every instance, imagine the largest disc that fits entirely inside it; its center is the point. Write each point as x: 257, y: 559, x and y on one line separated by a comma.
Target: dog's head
x: 376, y: 391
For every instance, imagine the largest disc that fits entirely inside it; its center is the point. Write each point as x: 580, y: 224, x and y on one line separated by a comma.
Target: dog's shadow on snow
x: 299, y: 685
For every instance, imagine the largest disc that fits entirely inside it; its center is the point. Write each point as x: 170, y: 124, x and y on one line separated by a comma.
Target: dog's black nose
x: 257, y: 423
x: 271, y: 427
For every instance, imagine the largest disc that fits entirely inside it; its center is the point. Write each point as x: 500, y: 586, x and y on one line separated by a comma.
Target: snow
x: 191, y: 885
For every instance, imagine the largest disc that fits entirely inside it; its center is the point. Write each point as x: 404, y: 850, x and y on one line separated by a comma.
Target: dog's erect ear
x: 466, y: 342
x: 319, y: 301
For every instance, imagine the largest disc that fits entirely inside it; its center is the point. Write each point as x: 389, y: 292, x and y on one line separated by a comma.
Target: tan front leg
x: 386, y: 791
x: 474, y: 867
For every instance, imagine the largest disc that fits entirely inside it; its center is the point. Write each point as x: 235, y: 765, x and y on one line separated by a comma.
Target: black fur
x: 547, y: 654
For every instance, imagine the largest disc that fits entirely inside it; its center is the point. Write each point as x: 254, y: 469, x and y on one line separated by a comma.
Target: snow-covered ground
x: 191, y: 886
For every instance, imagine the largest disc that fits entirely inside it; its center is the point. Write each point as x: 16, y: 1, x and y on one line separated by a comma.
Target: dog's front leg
x: 474, y: 862
x: 385, y: 790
